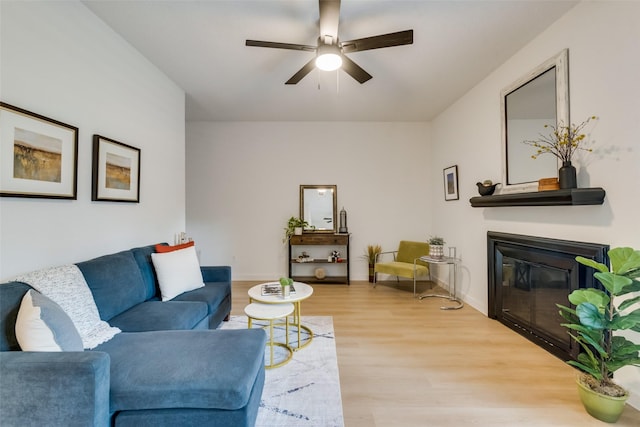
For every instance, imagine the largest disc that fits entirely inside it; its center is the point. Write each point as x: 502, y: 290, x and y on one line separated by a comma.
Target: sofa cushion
x: 115, y: 282
x: 184, y: 369
x: 42, y: 325
x: 66, y: 285
x: 160, y: 316
x: 178, y: 272
x: 11, y: 294
x: 161, y: 248
x: 212, y: 294
x: 142, y: 255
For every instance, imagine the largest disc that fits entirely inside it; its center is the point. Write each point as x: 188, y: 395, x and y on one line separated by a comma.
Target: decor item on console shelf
x: 343, y: 222
x: 592, y: 323
x: 563, y: 142
x: 436, y: 247
x: 295, y: 226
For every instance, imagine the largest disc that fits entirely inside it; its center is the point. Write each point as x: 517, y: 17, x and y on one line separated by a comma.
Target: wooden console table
x: 329, y: 242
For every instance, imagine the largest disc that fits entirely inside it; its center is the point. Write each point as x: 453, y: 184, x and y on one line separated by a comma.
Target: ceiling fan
x: 330, y: 51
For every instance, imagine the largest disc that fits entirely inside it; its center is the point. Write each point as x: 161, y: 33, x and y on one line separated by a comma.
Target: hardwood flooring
x: 404, y: 362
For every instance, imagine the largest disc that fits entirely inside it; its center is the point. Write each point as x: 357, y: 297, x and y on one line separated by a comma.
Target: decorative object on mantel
x: 592, y: 324
x: 436, y: 247
x: 343, y: 222
x: 548, y: 184
x: 563, y: 142
x: 486, y: 187
x: 571, y: 197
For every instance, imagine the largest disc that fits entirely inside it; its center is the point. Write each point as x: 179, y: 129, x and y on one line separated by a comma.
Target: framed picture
x: 38, y: 155
x: 451, y: 183
x: 116, y: 171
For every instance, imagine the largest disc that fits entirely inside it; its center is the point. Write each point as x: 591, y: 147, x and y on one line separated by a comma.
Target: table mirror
x: 318, y: 206
x: 538, y: 99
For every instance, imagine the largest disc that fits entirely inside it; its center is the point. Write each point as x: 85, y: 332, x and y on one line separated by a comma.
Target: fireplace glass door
x: 529, y: 276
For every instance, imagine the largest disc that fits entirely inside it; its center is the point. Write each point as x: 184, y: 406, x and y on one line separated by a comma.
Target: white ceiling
x: 200, y: 45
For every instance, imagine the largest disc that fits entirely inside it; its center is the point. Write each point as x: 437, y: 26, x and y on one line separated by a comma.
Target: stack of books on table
x: 275, y: 289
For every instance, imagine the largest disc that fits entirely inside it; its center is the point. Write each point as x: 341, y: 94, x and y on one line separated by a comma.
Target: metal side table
x: 452, y: 261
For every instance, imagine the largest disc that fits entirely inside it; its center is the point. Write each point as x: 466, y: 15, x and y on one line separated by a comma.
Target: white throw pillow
x: 42, y: 325
x: 177, y: 271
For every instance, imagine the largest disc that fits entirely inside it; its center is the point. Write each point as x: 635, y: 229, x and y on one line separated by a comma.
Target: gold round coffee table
x: 271, y: 312
x: 302, y: 292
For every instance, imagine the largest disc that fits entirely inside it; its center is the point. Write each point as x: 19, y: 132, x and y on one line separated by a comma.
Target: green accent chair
x: 406, y: 262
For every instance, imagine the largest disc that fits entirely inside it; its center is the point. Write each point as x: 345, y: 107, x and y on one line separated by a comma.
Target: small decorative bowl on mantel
x: 486, y: 187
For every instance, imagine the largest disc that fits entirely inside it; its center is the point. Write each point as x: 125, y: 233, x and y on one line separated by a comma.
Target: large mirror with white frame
x: 540, y: 98
x: 318, y: 206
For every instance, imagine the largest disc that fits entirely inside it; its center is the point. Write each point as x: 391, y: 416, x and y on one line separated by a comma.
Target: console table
x: 320, y: 246
x: 452, y: 262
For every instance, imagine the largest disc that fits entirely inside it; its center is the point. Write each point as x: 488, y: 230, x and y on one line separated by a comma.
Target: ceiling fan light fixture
x: 328, y: 57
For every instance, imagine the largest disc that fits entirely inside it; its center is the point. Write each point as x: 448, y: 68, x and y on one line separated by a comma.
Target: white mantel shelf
x: 570, y: 197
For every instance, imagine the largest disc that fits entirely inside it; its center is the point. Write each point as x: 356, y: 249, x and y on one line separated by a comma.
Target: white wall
x: 604, y: 66
x: 243, y: 185
x: 59, y: 60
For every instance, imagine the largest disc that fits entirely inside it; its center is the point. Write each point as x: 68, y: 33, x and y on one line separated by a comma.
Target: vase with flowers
x: 563, y: 142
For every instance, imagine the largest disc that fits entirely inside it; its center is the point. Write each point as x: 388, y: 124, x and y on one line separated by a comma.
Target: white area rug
x: 305, y: 391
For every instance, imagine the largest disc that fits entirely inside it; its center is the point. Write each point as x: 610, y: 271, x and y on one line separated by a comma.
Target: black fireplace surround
x: 529, y: 275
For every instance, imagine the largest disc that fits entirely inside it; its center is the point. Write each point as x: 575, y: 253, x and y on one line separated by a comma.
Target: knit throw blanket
x: 65, y: 285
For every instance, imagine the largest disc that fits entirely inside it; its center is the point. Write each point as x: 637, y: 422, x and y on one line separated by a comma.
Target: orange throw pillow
x: 163, y: 248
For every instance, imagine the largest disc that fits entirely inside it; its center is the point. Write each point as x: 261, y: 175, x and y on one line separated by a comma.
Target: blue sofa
x: 168, y: 367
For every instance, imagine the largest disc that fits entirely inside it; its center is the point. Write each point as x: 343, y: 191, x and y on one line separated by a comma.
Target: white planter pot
x: 436, y: 251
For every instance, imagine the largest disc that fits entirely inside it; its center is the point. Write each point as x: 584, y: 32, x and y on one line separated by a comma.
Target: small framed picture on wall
x: 451, y: 183
x: 116, y: 171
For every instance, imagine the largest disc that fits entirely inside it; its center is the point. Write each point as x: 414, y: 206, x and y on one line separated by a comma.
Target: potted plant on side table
x: 592, y: 324
x: 436, y: 247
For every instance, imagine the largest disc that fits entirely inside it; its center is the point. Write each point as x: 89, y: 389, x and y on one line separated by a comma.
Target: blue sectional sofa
x: 168, y: 367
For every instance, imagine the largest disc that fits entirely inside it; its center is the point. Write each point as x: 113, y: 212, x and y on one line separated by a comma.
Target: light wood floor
x: 404, y: 362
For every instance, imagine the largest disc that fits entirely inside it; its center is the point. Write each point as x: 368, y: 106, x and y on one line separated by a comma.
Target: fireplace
x: 528, y: 276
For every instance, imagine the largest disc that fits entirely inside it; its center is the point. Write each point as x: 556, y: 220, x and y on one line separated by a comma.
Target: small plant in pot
x: 370, y: 255
x: 286, y: 283
x: 436, y: 247
x: 592, y: 324
x: 295, y: 225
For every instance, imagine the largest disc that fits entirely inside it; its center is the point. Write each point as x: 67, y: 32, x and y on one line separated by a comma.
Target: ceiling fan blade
x: 329, y: 19
x: 308, y: 67
x: 277, y: 45
x: 354, y: 70
x: 377, y: 42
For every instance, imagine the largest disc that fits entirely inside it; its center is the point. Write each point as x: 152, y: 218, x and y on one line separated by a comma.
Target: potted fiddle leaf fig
x: 295, y: 225
x: 593, y: 324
